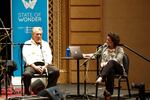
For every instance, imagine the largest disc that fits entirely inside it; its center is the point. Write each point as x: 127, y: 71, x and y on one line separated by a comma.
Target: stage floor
x: 69, y: 91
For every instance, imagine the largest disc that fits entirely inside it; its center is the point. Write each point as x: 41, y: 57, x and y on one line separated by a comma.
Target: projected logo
x: 29, y: 3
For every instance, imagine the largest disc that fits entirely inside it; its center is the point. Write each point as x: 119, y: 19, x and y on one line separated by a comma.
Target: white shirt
x: 36, y: 52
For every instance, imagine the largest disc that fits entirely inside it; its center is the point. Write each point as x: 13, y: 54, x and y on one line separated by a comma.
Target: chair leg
x: 96, y: 90
x: 129, y: 92
x: 0, y: 88
x: 119, y: 87
x: 22, y: 84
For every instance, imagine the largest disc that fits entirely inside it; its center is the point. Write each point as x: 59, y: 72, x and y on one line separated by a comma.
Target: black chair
x: 124, y: 77
x: 121, y: 78
x: 44, y: 75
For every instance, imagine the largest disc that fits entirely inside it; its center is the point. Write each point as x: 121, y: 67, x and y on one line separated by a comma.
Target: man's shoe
x: 27, y: 93
x: 107, y: 95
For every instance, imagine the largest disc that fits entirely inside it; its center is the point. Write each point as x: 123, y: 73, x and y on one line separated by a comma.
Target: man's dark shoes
x: 27, y: 93
x: 107, y: 95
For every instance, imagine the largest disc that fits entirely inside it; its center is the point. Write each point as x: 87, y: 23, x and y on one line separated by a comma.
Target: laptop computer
x: 76, y: 52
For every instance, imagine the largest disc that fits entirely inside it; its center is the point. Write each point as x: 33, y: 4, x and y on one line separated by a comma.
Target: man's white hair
x: 37, y: 30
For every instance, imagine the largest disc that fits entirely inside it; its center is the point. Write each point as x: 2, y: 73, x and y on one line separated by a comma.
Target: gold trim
x: 56, y: 36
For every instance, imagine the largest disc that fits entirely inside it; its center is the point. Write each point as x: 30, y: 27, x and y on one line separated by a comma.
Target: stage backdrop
x: 25, y: 15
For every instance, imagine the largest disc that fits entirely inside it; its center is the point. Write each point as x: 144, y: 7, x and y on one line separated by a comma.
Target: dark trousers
x: 107, y: 73
x: 53, y: 75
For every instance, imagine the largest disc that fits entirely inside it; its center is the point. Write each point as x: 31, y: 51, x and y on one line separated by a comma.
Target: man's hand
x: 39, y: 69
x: 42, y: 69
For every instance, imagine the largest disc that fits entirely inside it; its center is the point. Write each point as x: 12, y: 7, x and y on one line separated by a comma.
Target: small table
x: 78, y: 75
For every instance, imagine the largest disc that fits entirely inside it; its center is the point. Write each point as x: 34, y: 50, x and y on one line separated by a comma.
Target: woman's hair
x: 114, y: 37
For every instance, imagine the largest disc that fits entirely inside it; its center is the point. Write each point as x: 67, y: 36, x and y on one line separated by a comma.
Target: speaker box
x: 53, y: 93
x: 37, y: 86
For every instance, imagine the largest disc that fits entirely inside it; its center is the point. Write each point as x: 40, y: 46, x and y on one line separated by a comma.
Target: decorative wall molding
x: 55, y: 30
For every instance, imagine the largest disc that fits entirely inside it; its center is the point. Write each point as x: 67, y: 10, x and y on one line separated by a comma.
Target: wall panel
x: 85, y: 12
x: 85, y: 2
x: 85, y: 25
x: 85, y: 30
x: 85, y: 38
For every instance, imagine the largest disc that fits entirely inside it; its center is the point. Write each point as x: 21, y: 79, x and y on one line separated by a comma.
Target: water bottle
x: 68, y: 52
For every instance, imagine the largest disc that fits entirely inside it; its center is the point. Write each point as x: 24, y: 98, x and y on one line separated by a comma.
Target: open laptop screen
x: 76, y: 52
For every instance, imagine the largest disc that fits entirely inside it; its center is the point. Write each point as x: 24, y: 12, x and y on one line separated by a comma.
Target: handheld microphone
x: 103, y: 48
x: 105, y: 45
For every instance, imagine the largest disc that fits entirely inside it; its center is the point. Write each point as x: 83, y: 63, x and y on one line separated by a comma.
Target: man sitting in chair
x: 38, y: 59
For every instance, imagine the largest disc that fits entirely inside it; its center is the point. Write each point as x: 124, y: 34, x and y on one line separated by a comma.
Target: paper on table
x: 87, y: 55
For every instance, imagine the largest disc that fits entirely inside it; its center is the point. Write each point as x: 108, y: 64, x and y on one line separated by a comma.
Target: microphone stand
x: 142, y: 93
x: 85, y: 61
x: 85, y: 96
x: 134, y: 52
x: 21, y: 63
x: 5, y: 69
x: 21, y: 45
